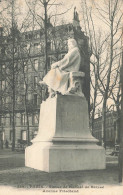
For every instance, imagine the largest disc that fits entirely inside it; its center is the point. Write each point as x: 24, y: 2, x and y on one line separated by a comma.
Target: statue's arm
x: 54, y: 65
x: 60, y: 63
x: 66, y: 60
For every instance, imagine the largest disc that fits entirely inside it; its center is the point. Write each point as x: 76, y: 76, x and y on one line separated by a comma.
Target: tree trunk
x: 104, y: 124
x: 27, y: 119
x: 94, y: 103
x: 107, y: 86
x: 28, y: 130
x: 93, y: 112
x: 121, y: 129
x: 26, y: 109
x: 13, y: 80
x: 118, y: 124
x: 45, y: 32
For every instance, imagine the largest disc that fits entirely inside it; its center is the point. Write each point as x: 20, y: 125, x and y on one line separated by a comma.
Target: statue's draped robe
x: 57, y: 78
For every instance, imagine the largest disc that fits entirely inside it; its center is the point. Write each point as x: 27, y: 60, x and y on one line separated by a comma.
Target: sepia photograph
x: 61, y: 103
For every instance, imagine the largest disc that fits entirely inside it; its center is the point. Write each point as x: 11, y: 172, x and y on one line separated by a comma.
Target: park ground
x: 13, y: 173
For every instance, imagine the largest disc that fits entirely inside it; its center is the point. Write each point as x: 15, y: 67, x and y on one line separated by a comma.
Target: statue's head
x: 72, y: 43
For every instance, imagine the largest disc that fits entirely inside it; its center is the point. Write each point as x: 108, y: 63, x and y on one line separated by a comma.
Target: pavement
x: 14, y: 173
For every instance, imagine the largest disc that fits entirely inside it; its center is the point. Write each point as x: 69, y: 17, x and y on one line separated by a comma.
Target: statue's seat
x: 76, y: 82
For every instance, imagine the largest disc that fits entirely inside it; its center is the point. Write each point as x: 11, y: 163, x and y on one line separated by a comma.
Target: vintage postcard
x: 61, y: 84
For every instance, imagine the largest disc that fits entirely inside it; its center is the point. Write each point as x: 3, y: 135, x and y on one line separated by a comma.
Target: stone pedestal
x: 64, y: 141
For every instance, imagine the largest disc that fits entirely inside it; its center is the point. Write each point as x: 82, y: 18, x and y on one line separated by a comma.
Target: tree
x: 105, y: 51
x: 18, y: 54
x: 95, y: 44
x: 121, y: 126
x: 11, y: 58
x: 12, y: 65
x: 44, y: 21
x: 111, y: 57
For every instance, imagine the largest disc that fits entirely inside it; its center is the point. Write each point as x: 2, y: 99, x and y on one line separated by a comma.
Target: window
x: 100, y: 124
x: 26, y: 36
x: 15, y: 50
x: 3, y: 51
x: 30, y: 36
x: 107, y: 133
x: 22, y: 99
x: 49, y: 62
x: 35, y: 118
x: 16, y: 66
x: 8, y: 99
x: 35, y: 81
x: 35, y: 99
x: 23, y: 119
x: 36, y: 46
x: 11, y: 135
x: 24, y: 85
x: 36, y: 36
x: 99, y: 135
x: 1, y: 30
x: 52, y: 45
x: 112, y: 133
x: 23, y: 135
x: 10, y: 119
x: 49, y: 45
x: 42, y: 46
x: 3, y: 100
x: 4, y: 120
x: 96, y: 134
x: 0, y: 121
x: 58, y: 45
x: 3, y: 67
x: 3, y: 84
x: 25, y: 66
x: 26, y: 46
x: 36, y: 64
x: 108, y: 121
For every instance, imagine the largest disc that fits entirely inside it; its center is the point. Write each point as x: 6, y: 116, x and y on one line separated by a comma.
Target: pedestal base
x: 64, y: 141
x: 56, y: 158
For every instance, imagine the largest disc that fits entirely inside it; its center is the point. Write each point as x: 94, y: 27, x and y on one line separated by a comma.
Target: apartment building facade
x: 112, y: 128
x: 22, y: 66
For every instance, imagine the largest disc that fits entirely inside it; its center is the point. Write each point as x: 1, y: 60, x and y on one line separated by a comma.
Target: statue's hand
x: 55, y: 65
x: 61, y: 68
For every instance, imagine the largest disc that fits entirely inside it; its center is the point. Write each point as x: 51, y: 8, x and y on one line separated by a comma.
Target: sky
x: 65, y: 5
